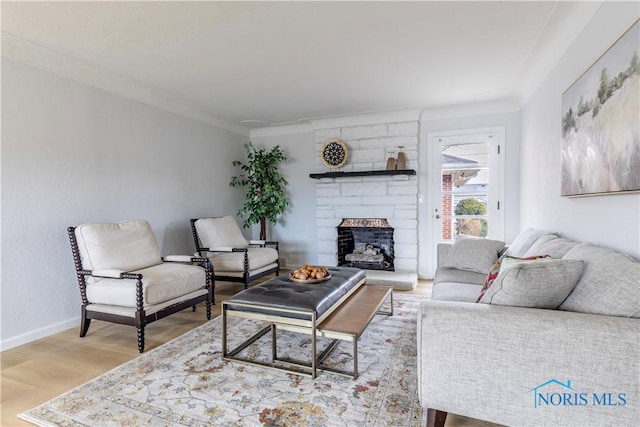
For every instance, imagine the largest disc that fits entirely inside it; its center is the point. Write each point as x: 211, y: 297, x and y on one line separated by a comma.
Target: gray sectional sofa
x: 553, y: 341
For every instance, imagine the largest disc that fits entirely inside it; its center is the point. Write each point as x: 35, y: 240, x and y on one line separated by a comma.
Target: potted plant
x: 266, y: 197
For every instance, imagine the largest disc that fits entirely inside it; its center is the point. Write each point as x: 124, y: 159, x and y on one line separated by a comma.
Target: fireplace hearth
x: 365, y: 243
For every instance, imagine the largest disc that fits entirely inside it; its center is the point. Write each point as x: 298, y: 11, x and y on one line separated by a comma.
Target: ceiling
x: 258, y: 64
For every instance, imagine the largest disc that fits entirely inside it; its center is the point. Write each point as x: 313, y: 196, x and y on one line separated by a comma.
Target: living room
x: 83, y: 144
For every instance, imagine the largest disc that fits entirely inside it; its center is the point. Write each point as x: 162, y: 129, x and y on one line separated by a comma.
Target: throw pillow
x: 541, y: 283
x: 495, y: 270
x: 473, y: 254
x: 493, y: 274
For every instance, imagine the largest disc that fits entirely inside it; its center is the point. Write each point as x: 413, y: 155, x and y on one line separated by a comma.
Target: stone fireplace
x: 366, y: 243
x: 392, y: 197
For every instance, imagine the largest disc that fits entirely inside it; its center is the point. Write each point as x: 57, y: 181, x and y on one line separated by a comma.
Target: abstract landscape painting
x: 601, y: 123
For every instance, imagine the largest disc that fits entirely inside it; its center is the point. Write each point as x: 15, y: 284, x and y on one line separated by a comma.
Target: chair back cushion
x: 126, y: 246
x: 217, y: 232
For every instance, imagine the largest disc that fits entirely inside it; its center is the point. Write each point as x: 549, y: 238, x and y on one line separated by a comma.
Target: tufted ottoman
x: 290, y: 306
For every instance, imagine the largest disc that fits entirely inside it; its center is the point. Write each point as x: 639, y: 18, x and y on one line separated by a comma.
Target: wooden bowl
x: 324, y: 279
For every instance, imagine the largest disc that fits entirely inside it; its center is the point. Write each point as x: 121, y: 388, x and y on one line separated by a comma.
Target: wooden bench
x: 351, y: 319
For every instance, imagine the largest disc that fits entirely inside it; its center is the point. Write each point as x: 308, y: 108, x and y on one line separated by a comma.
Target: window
x: 469, y: 192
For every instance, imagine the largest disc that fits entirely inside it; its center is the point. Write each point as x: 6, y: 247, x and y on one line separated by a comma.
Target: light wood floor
x: 41, y: 370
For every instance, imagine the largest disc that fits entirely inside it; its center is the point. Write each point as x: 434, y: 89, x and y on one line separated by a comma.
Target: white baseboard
x: 39, y: 333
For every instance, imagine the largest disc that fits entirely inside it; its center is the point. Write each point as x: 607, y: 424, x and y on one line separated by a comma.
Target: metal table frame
x: 280, y: 318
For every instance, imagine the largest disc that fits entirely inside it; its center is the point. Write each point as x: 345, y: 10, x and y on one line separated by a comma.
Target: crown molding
x: 563, y: 26
x: 356, y: 119
x: 287, y: 129
x: 418, y: 114
x: 367, y: 118
x: 25, y: 52
x: 470, y: 110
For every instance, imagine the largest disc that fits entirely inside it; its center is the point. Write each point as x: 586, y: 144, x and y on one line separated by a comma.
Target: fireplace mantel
x: 362, y: 173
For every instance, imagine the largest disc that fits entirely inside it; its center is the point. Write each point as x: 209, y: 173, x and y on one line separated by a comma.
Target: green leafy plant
x: 266, y: 197
x: 471, y: 226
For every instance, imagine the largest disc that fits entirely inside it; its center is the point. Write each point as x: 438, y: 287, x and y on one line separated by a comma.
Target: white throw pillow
x: 473, y: 254
x: 220, y: 232
x: 540, y: 283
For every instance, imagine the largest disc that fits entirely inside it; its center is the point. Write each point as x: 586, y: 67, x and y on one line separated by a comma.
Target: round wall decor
x: 333, y: 153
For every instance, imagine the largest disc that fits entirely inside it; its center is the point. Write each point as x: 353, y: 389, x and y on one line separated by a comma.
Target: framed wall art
x: 601, y: 123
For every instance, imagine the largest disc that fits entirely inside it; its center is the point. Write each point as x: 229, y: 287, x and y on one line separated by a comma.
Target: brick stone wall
x: 447, y: 208
x: 392, y: 197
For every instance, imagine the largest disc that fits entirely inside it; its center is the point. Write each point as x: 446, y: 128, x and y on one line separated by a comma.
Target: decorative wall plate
x: 333, y: 153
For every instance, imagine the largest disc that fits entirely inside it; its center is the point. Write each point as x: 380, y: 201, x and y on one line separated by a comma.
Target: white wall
x: 72, y: 154
x: 296, y: 229
x: 611, y: 220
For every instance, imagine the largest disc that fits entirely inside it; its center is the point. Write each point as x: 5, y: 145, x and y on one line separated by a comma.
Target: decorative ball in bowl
x: 310, y: 274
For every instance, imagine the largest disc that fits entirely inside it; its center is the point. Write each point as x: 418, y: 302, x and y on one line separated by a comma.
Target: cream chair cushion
x: 125, y: 246
x: 234, y: 261
x: 220, y: 232
x: 160, y: 283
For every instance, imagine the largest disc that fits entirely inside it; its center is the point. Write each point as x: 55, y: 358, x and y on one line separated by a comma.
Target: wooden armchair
x: 234, y: 258
x: 123, y: 279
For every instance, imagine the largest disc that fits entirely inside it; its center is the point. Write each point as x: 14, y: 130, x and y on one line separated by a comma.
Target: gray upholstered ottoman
x: 290, y: 306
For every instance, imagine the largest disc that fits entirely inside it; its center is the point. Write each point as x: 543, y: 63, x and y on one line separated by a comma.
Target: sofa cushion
x: 524, y: 240
x: 220, y: 232
x: 126, y: 246
x: 445, y: 274
x: 538, y: 283
x: 455, y: 291
x: 610, y: 283
x: 160, y: 283
x: 473, y: 254
x: 552, y: 245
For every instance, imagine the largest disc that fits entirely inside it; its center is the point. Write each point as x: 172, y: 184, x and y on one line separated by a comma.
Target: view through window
x: 465, y: 189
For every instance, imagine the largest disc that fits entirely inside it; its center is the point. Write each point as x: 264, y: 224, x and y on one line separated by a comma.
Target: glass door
x: 468, y: 188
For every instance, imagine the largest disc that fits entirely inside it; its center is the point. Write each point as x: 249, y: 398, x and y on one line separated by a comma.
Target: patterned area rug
x: 185, y: 382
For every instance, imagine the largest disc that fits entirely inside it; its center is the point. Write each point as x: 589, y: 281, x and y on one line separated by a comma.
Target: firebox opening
x: 365, y: 243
